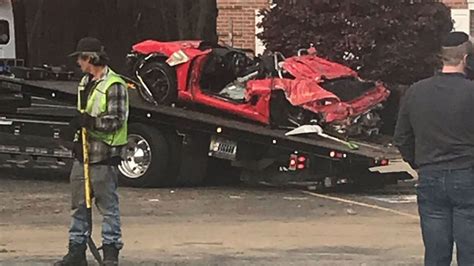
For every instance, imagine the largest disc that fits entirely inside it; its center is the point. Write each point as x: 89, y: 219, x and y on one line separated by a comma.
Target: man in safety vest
x: 102, y: 94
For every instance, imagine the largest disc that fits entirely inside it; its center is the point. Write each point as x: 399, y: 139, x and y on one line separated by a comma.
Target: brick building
x: 462, y: 12
x: 236, y: 23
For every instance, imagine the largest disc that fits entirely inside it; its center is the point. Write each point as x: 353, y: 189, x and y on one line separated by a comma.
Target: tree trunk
x: 181, y: 20
x: 204, y: 12
x: 33, y: 36
x: 164, y: 20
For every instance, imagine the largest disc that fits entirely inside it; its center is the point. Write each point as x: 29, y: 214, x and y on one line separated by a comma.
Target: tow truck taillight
x: 383, y: 162
x: 338, y: 155
x: 297, y: 162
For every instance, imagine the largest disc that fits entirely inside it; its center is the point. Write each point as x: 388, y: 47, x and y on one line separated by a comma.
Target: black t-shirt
x: 435, y: 128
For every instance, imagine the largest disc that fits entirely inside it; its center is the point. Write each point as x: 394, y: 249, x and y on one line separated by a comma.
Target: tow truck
x: 177, y: 146
x: 172, y: 145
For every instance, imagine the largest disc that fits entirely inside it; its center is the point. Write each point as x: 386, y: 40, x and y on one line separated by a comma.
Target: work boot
x: 110, y: 255
x: 76, y: 256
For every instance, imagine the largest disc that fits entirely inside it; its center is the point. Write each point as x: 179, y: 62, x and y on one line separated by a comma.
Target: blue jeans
x: 104, y: 189
x: 446, y: 207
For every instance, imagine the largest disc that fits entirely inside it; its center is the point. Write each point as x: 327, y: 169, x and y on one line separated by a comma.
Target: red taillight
x: 339, y: 155
x: 383, y: 162
x: 297, y: 162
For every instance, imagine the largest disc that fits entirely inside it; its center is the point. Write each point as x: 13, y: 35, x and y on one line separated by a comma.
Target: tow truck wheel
x: 146, y: 158
x: 161, y: 80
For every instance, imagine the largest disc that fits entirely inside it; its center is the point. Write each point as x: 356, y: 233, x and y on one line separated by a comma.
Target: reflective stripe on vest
x: 97, y: 105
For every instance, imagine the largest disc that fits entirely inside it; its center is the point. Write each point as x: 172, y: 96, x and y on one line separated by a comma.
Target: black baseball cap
x: 89, y: 45
x: 454, y: 39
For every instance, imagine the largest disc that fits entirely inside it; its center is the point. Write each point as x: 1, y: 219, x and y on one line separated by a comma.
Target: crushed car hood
x: 298, y: 91
x: 316, y: 68
x: 309, y: 95
x: 307, y: 88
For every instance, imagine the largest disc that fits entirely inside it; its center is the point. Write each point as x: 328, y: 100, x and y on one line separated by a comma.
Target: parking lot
x: 219, y: 224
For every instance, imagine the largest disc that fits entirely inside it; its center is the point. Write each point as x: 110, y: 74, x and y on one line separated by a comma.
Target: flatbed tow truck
x: 176, y: 146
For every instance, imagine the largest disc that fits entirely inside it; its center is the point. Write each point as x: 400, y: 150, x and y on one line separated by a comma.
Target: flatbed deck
x: 64, y: 91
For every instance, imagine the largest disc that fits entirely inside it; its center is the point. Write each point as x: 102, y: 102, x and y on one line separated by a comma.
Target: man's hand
x: 82, y: 120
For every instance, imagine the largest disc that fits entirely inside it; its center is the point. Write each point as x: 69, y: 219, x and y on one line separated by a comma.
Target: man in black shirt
x: 435, y: 135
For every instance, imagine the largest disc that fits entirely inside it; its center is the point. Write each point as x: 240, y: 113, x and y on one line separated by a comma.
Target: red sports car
x: 272, y: 90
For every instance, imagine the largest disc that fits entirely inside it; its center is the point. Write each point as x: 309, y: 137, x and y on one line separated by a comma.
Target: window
x: 4, y: 32
x: 471, y: 22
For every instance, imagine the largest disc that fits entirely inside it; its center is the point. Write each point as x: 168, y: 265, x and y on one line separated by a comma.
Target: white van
x: 7, y: 38
x: 7, y: 31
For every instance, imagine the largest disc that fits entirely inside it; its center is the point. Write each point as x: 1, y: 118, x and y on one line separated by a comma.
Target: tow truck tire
x: 147, y: 158
x: 161, y: 80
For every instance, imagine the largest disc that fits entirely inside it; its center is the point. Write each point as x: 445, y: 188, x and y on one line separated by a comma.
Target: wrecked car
x: 271, y: 89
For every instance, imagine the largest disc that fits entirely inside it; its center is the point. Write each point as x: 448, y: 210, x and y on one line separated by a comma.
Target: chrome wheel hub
x: 137, y: 157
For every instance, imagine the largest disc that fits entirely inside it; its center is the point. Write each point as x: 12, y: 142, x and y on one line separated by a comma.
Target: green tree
x: 395, y: 41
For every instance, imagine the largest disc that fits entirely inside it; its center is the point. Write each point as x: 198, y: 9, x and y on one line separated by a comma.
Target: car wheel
x: 146, y: 158
x: 160, y: 78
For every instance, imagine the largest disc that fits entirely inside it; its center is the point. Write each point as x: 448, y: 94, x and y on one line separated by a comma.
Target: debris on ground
x: 153, y: 200
x: 295, y: 198
x: 351, y: 211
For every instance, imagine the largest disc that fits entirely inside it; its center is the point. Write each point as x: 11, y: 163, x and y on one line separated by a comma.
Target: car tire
x: 147, y: 159
x: 161, y: 80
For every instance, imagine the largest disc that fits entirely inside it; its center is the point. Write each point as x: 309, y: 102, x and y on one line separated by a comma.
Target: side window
x: 4, y: 32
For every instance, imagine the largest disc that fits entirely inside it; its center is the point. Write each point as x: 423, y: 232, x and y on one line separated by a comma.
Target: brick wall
x: 456, y: 3
x: 241, y: 14
x: 238, y: 15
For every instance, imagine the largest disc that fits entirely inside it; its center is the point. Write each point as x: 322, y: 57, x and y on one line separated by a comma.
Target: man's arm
x: 116, y: 113
x: 404, y: 137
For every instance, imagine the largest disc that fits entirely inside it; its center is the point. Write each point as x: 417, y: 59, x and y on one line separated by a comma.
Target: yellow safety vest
x: 97, y: 105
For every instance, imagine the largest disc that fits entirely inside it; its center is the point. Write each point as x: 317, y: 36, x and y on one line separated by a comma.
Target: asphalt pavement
x: 218, y: 225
